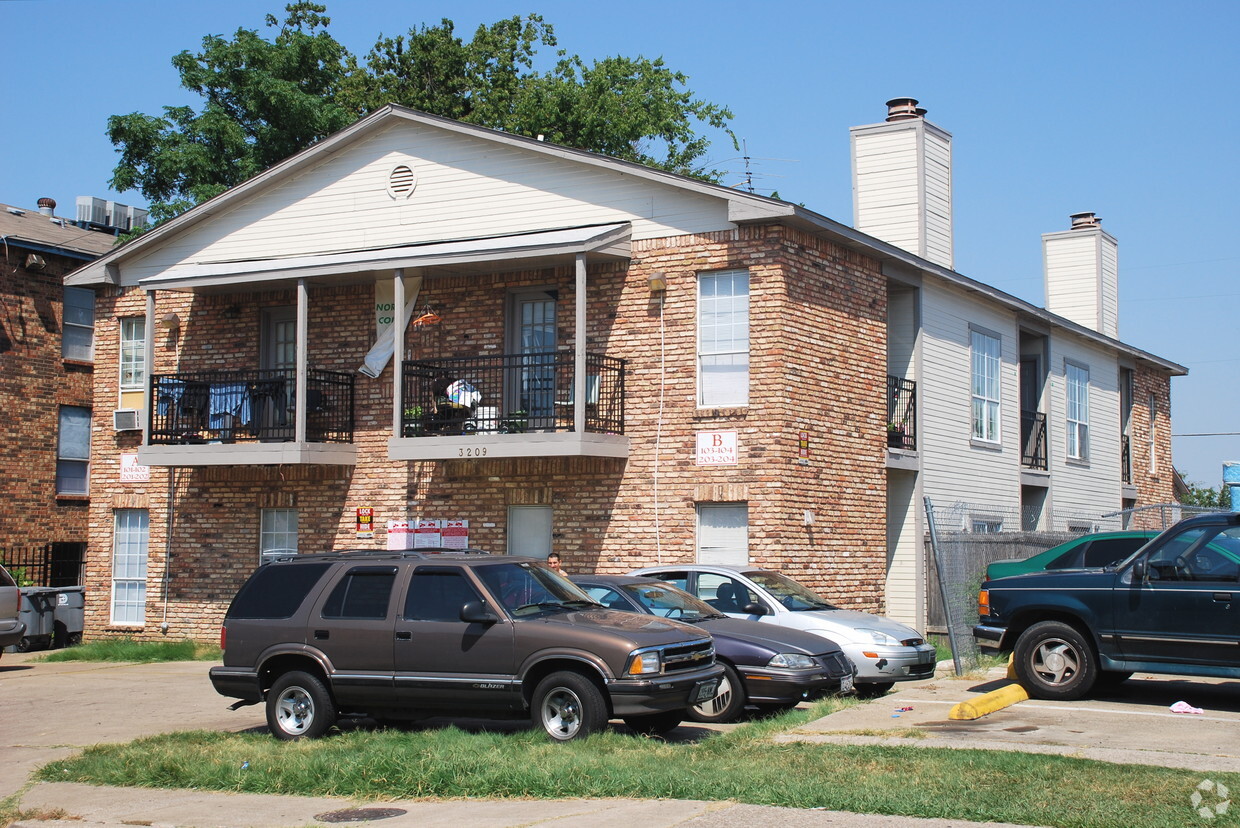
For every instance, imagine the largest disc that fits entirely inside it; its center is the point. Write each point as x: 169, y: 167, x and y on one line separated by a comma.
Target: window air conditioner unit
x: 126, y: 419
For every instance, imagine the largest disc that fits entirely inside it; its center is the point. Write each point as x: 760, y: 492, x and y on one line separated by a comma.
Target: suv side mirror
x: 1140, y: 570
x: 475, y: 612
x: 753, y: 608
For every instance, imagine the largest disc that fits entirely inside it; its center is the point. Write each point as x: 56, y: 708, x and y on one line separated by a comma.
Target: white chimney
x: 902, y: 182
x: 1082, y: 274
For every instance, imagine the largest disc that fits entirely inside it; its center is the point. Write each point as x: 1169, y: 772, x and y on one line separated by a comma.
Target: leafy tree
x: 1208, y: 496
x: 266, y: 99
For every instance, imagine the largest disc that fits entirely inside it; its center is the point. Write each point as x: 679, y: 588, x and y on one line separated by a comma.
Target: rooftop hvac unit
x: 137, y: 218
x: 91, y: 209
x: 118, y: 215
x: 125, y: 419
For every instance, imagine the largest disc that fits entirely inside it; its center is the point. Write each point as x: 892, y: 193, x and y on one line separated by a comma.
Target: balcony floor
x: 528, y: 444
x: 249, y: 454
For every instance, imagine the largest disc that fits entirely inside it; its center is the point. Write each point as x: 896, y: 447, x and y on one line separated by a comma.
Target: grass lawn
x: 126, y: 649
x: 741, y: 765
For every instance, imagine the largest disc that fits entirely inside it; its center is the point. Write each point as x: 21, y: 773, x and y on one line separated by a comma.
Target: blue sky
x: 1126, y: 109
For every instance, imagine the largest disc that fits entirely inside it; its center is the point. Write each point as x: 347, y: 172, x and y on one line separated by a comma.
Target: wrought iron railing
x: 249, y: 406
x: 1125, y: 458
x: 901, y: 413
x: 1033, y: 440
x: 510, y: 393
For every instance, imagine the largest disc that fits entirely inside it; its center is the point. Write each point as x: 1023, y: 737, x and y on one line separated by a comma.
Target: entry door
x: 278, y: 348
x: 278, y: 355
x: 532, y: 336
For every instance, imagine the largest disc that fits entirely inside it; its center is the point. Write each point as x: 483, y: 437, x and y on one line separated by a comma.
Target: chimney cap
x: 47, y: 206
x: 1084, y: 221
x: 904, y: 109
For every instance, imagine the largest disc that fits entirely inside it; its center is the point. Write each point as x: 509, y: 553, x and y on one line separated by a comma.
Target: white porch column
x: 303, y: 339
x: 398, y: 349
x: 579, y: 355
x: 148, y: 359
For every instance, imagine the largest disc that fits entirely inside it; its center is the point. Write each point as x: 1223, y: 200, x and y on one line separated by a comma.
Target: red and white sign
x: 131, y: 472
x: 717, y: 448
x: 455, y: 534
x: 365, y: 522
x: 399, y: 536
x: 428, y: 533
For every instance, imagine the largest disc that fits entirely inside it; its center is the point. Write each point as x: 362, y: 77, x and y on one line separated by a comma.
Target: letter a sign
x: 716, y: 448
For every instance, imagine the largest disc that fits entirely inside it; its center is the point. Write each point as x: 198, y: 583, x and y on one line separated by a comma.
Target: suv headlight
x: 645, y: 664
x: 792, y: 661
x: 881, y: 638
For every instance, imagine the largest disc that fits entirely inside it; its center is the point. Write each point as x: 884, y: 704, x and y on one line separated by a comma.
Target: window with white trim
x: 1076, y: 380
x: 723, y: 534
x: 987, y: 526
x: 130, y: 536
x: 277, y: 531
x: 723, y: 338
x: 133, y: 353
x: 77, y: 340
x: 986, y: 351
x: 73, y: 450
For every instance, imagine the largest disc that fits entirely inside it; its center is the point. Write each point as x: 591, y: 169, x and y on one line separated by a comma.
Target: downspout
x: 168, y: 524
x: 303, y: 320
x: 398, y: 352
x: 579, y: 355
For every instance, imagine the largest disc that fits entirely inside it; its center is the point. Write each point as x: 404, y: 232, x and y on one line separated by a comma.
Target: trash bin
x: 68, y: 616
x: 37, y: 613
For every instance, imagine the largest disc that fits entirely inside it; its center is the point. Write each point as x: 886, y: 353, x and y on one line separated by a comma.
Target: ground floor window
x: 278, y: 532
x: 131, y: 531
x: 723, y: 533
x: 529, y: 531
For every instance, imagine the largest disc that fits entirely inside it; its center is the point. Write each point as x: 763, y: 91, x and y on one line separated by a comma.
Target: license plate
x: 846, y: 684
x: 704, y: 691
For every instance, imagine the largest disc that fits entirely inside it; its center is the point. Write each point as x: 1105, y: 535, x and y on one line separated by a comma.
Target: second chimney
x: 1081, y: 266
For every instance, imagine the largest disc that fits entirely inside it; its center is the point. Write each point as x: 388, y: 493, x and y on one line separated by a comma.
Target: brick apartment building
x: 45, y: 387
x: 620, y: 364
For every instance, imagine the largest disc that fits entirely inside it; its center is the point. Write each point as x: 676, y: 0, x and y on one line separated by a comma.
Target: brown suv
x: 394, y: 635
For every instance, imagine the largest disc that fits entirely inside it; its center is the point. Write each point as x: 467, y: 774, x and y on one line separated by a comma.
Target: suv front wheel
x: 1054, y: 661
x: 569, y: 706
x: 299, y: 707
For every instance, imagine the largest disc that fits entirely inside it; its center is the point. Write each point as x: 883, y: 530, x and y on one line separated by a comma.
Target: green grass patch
x: 742, y: 765
x: 127, y: 649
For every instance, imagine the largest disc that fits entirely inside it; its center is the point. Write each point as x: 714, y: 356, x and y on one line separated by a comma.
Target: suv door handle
x: 322, y: 635
x: 404, y: 635
x: 1222, y: 597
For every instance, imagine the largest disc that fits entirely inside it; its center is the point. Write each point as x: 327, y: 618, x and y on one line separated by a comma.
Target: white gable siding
x: 1094, y: 487
x: 954, y: 468
x: 466, y: 187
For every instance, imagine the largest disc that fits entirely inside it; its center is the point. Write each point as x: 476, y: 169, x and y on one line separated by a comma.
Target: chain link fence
x: 964, y: 538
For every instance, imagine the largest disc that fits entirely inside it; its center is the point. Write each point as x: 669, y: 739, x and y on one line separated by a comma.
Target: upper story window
x: 73, y: 451
x: 723, y: 338
x: 133, y: 353
x: 1076, y: 378
x: 985, y: 369
x: 78, y: 339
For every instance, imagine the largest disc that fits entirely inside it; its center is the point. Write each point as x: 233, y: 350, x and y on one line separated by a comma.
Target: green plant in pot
x: 413, y: 423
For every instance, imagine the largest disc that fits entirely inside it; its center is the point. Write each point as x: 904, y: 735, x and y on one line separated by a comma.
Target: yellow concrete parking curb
x: 988, y: 703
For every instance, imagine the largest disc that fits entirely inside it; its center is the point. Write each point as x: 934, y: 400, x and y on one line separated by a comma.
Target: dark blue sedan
x: 770, y: 667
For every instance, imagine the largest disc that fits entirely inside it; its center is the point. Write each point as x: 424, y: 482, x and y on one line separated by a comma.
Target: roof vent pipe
x: 47, y: 206
x: 904, y: 109
x: 1084, y: 221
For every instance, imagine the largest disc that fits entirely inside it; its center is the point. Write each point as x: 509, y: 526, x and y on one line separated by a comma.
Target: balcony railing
x: 901, y: 413
x: 249, y: 406
x: 1033, y: 440
x: 1125, y: 458
x: 509, y: 394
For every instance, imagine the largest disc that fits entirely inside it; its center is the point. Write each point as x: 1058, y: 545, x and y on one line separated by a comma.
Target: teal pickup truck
x: 1171, y: 607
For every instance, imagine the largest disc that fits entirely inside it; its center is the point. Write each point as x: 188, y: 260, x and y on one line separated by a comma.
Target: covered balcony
x: 1033, y: 440
x: 901, y: 413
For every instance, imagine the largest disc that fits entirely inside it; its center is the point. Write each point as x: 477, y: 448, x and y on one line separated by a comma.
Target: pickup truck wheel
x: 569, y: 706
x: 1054, y: 661
x: 299, y: 707
x: 727, y: 703
x: 655, y: 724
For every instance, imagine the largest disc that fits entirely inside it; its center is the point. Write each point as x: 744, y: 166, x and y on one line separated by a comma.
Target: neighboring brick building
x: 621, y: 364
x: 45, y: 390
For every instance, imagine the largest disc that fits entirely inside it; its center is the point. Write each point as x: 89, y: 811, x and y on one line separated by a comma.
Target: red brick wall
x: 818, y: 356
x: 34, y: 382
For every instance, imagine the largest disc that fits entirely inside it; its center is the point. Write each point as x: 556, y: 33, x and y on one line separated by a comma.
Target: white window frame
x: 723, y: 339
x: 723, y: 533
x: 986, y: 526
x: 133, y: 353
x: 78, y: 316
x: 69, y: 457
x: 277, y: 531
x: 531, y: 530
x: 986, y: 384
x: 130, y: 553
x: 1076, y: 410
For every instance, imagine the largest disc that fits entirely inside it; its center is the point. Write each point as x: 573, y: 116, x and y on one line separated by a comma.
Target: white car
x: 884, y: 651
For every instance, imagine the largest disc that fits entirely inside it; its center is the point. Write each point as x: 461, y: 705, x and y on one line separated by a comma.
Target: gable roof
x: 33, y: 230
x: 742, y: 208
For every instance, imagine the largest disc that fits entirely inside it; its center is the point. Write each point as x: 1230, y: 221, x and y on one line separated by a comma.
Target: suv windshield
x: 668, y: 601
x: 526, y: 588
x: 788, y: 592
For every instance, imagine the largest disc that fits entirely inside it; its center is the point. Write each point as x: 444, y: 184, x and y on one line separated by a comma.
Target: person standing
x: 553, y: 561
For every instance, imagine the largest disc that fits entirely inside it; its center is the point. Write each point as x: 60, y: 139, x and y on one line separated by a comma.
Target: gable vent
x: 401, y: 181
